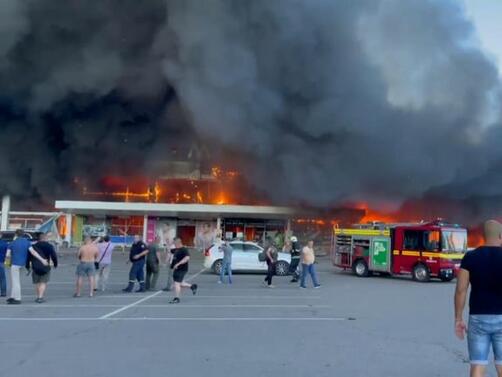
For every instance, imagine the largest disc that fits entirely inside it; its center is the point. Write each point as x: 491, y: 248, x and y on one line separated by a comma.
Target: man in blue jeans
x: 482, y: 268
x: 3, y: 278
x: 308, y: 265
x: 226, y: 265
x: 137, y: 256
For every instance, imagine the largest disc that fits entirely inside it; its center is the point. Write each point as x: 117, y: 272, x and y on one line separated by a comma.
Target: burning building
x: 308, y: 106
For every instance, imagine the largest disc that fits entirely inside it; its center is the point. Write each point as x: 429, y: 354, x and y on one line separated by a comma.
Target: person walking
x: 87, y: 255
x: 271, y: 255
x: 295, y: 252
x: 480, y: 269
x: 308, y: 265
x: 17, y: 251
x: 137, y: 257
x: 171, y: 249
x: 152, y: 265
x: 41, y: 272
x: 3, y: 276
x: 179, y: 266
x: 104, y: 263
x: 226, y: 265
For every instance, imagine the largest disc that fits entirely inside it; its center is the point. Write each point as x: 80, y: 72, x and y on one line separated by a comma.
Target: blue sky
x: 487, y: 18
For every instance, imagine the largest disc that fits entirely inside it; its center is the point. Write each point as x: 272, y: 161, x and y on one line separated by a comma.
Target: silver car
x: 245, y: 258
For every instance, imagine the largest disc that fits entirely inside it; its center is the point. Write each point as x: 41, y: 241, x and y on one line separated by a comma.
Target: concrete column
x: 219, y: 231
x: 4, y: 223
x: 69, y: 228
x: 145, y: 227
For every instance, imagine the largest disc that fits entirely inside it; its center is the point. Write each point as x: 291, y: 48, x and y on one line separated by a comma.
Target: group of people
x: 304, y: 256
x: 37, y: 258
x: 95, y: 259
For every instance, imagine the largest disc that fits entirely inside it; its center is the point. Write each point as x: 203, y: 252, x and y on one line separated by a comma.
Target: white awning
x: 191, y: 211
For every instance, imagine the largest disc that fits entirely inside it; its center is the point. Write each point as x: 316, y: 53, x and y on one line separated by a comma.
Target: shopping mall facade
x: 197, y: 225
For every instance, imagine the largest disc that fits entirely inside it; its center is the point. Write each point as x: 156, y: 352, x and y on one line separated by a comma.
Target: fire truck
x: 422, y: 250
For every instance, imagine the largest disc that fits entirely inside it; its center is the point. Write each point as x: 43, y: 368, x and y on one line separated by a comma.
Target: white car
x: 245, y: 258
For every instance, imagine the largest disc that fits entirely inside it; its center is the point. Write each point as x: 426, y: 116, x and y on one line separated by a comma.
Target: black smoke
x: 328, y: 101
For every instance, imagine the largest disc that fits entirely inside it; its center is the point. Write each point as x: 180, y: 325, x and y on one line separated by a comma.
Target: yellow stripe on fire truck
x: 409, y: 253
x: 362, y: 232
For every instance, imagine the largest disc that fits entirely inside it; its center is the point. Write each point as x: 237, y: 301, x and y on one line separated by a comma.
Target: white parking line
x: 174, y: 319
x: 106, y: 316
x: 137, y: 303
x: 130, y: 305
x: 199, y: 296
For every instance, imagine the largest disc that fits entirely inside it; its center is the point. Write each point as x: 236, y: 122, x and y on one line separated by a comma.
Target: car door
x: 238, y: 256
x: 251, y: 252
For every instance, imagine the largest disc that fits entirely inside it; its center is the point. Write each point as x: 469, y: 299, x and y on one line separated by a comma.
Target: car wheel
x: 217, y: 266
x: 360, y: 268
x: 447, y: 279
x: 421, y: 273
x: 282, y: 268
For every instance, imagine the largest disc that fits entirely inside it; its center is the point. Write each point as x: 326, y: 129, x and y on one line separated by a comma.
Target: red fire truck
x: 422, y: 250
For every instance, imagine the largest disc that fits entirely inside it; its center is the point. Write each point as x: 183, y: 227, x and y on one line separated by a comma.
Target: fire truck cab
x: 422, y: 250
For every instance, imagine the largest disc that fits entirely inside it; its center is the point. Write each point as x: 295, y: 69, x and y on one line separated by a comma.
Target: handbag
x: 96, y: 264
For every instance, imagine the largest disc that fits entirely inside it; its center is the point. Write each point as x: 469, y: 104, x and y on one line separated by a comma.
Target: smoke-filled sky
x: 330, y: 101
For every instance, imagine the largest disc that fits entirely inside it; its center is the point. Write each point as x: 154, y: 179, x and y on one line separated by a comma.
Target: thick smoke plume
x: 327, y: 102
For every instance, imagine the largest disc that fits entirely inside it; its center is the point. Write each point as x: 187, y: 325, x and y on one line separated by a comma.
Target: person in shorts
x: 41, y: 272
x: 88, y: 254
x: 481, y: 269
x: 179, y: 266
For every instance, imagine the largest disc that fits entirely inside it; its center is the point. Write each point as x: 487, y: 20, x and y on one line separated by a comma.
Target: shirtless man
x: 88, y: 254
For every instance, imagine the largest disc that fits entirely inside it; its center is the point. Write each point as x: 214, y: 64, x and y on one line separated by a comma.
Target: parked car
x: 244, y: 258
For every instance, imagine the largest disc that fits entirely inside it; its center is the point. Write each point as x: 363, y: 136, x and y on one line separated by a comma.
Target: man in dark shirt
x: 3, y: 278
x: 481, y: 268
x: 137, y: 257
x: 179, y: 265
x: 152, y: 265
x: 41, y: 273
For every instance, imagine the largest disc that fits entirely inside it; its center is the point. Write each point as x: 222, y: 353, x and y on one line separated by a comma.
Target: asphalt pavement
x: 377, y: 326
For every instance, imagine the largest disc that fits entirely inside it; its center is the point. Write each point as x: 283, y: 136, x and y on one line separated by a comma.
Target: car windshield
x: 454, y: 241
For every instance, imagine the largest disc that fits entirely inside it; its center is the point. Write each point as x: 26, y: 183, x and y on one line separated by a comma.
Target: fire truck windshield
x: 454, y: 241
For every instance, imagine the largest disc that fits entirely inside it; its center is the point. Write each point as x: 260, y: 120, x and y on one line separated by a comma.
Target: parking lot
x: 351, y: 326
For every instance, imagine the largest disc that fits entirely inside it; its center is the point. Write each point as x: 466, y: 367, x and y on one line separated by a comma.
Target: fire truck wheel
x: 421, y: 273
x: 217, y: 266
x: 360, y: 268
